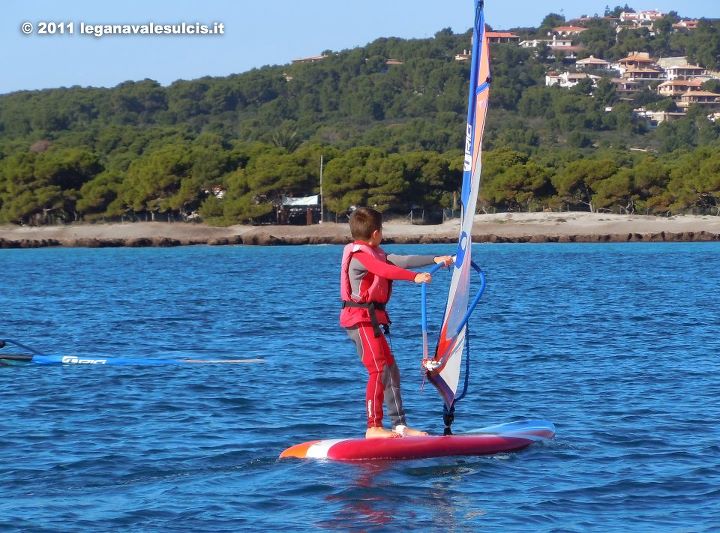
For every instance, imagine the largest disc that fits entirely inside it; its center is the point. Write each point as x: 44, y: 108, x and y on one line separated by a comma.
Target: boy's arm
x: 411, y: 261
x: 385, y: 270
x: 414, y: 261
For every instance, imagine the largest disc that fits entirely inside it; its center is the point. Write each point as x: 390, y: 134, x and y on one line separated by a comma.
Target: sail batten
x: 445, y: 376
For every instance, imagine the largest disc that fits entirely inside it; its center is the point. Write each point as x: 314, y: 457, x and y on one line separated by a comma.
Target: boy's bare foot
x: 410, y: 432
x: 380, y: 433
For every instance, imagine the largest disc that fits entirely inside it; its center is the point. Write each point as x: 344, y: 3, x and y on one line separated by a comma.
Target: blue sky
x: 257, y: 33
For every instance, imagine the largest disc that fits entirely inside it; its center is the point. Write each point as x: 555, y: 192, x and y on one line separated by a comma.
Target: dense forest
x: 228, y: 150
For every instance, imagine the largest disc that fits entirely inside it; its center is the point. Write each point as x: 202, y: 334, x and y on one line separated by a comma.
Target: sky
x: 255, y: 33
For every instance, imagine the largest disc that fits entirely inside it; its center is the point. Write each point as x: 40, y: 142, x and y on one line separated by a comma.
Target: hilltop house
x: 311, y: 59
x: 707, y: 99
x: 563, y: 47
x: 502, y: 37
x: 592, y: 63
x: 644, y: 74
x: 464, y: 56
x: 641, y: 16
x: 676, y: 88
x: 639, y: 69
x: 684, y: 72
x: 637, y: 60
x: 626, y: 88
x: 492, y: 37
x: 552, y: 43
x: 641, y: 19
x: 657, y: 117
x: 687, y: 25
x: 567, y: 31
x: 567, y: 80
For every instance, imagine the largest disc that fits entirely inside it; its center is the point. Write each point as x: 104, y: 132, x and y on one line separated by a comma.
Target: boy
x: 366, y: 279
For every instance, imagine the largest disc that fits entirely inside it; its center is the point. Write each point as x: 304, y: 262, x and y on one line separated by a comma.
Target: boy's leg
x: 373, y: 353
x: 383, y: 383
x: 393, y: 397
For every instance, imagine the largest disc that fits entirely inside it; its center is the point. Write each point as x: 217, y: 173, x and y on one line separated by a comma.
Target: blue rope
x: 471, y: 308
x: 423, y: 311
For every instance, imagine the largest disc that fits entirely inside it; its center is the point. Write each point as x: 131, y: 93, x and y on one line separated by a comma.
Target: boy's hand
x: 446, y: 260
x: 423, y: 277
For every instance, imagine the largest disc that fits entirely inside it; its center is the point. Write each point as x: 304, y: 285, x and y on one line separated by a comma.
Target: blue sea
x: 617, y: 344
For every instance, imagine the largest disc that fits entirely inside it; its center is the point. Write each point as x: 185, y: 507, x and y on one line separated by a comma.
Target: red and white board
x: 508, y: 437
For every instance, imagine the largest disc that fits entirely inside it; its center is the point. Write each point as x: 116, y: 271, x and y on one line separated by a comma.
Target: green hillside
x: 388, y: 119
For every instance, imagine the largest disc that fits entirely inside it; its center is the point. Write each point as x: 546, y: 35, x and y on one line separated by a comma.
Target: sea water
x: 617, y: 344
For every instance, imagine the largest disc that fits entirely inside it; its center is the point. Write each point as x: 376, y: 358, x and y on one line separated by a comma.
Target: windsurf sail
x: 444, y: 368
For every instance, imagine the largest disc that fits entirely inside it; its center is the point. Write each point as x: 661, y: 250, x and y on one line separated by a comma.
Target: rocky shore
x: 500, y: 228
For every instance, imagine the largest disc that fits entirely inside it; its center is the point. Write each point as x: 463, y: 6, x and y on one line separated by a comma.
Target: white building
x: 641, y: 17
x: 567, y: 80
x: 552, y: 43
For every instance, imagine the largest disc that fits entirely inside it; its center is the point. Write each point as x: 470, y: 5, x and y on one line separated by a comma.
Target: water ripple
x: 616, y: 344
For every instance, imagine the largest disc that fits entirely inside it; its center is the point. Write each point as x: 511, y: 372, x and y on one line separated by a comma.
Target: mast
x: 444, y: 369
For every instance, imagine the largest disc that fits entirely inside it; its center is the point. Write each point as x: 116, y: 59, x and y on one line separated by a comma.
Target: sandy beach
x: 504, y: 227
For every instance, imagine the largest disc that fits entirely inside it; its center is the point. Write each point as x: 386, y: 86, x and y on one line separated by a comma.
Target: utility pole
x: 321, y: 192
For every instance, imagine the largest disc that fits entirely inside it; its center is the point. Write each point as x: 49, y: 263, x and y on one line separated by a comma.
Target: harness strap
x: 371, y: 307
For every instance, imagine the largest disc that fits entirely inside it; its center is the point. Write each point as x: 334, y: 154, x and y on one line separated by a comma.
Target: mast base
x: 448, y: 419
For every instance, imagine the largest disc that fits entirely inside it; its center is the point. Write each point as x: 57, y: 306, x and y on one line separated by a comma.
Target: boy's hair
x: 363, y: 222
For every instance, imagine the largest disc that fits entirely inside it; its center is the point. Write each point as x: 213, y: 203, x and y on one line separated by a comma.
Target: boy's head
x: 365, y: 221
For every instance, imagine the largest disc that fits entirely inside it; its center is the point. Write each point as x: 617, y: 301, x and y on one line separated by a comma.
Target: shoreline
x: 496, y: 228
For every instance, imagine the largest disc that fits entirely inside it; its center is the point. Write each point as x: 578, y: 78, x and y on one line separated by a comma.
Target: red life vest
x: 369, y: 305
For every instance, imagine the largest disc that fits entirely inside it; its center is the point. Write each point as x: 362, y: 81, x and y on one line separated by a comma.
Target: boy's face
x: 376, y: 237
